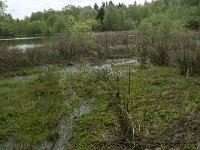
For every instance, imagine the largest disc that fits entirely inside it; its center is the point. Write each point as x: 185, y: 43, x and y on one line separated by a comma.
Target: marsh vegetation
x: 103, y: 90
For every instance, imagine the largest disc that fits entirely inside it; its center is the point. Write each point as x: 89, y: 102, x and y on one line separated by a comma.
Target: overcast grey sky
x: 22, y: 8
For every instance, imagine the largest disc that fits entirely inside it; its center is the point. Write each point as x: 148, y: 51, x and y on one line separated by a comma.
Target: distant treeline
x: 158, y: 16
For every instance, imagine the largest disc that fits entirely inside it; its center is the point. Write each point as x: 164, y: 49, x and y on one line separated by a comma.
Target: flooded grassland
x: 122, y: 93
x: 69, y: 107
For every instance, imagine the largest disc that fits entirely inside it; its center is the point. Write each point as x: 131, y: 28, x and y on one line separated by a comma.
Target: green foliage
x: 145, y: 27
x: 36, y: 16
x: 101, y: 13
x: 83, y: 26
x: 87, y: 13
x: 2, y: 8
x: 61, y: 25
x: 6, y: 21
x: 191, y: 2
x: 114, y: 18
x: 51, y: 20
x: 97, y: 25
x: 36, y: 27
x: 133, y: 12
x: 6, y: 25
x: 160, y: 16
x: 129, y: 24
x: 193, y: 23
x: 71, y: 10
x: 159, y: 24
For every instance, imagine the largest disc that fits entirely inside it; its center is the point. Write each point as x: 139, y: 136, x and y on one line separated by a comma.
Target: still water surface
x: 23, y: 43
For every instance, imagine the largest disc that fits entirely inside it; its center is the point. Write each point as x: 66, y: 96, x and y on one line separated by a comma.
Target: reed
x: 62, y: 49
x: 181, y: 50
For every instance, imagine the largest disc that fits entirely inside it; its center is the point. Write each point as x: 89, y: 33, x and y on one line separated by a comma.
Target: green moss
x: 32, y: 110
x: 22, y: 72
x: 160, y: 97
x: 161, y: 100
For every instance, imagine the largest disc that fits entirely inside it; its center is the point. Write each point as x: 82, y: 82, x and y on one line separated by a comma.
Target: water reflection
x: 24, y: 47
x: 24, y: 38
x: 23, y: 43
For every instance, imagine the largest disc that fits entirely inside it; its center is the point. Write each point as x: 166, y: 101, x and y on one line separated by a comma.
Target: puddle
x: 46, y: 145
x: 25, y: 38
x: 71, y: 70
x: 22, y: 78
x: 107, y: 65
x: 25, y: 47
x: 11, y: 145
x: 66, y: 126
x: 7, y: 146
x: 104, y: 65
x: 5, y: 89
x: 115, y: 62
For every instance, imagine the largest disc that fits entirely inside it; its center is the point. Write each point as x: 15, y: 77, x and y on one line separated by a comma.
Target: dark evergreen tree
x: 166, y: 3
x: 191, y: 2
x: 146, y: 3
x: 101, y: 13
x: 135, y: 3
x: 111, y: 3
x: 96, y: 7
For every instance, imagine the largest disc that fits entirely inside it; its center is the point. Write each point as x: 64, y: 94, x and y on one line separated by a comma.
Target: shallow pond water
x: 25, y: 47
x: 7, y: 146
x: 65, y: 129
x: 67, y: 124
x: 22, y: 78
x: 107, y: 65
x: 24, y: 38
x: 23, y: 43
x: 5, y: 88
